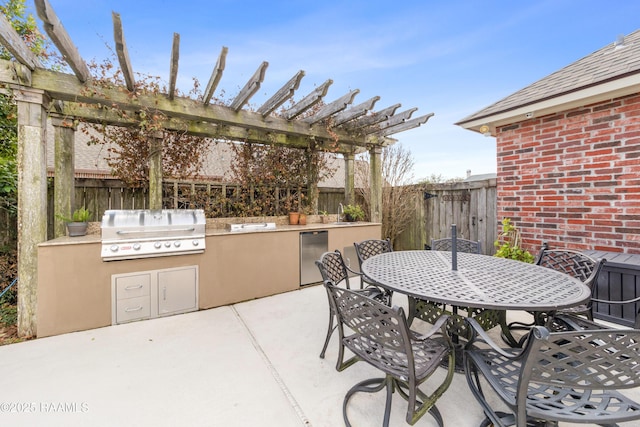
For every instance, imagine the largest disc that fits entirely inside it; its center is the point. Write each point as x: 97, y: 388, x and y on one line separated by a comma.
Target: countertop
x: 95, y: 236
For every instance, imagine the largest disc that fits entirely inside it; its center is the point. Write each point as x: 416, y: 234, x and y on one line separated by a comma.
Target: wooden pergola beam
x: 406, y: 125
x: 216, y: 75
x: 106, y: 116
x: 281, y: 96
x: 372, y: 119
x: 308, y: 101
x: 173, y: 69
x: 123, y: 53
x: 355, y: 111
x: 392, y: 121
x: 250, y: 88
x: 61, y: 39
x: 16, y: 46
x: 332, y: 108
x: 66, y: 88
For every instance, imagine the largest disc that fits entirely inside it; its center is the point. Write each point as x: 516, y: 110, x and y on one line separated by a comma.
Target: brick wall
x: 573, y: 178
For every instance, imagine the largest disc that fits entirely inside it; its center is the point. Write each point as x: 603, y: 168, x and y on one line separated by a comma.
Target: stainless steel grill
x: 131, y: 234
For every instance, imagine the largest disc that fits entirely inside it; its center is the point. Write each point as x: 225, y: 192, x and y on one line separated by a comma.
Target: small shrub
x: 79, y: 215
x: 509, y: 243
x: 353, y: 213
x: 8, y: 314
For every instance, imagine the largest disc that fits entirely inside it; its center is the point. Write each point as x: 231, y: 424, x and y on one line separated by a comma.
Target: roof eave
x: 589, y: 95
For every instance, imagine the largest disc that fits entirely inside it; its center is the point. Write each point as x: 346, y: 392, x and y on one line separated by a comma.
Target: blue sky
x: 450, y: 57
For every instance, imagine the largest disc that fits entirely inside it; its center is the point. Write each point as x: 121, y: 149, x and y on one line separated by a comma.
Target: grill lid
x: 128, y: 234
x: 137, y: 224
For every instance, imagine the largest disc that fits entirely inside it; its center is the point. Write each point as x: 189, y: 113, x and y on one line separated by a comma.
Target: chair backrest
x: 375, y: 325
x: 333, y: 269
x: 573, y: 263
x: 602, y: 359
x: 462, y: 245
x: 368, y: 248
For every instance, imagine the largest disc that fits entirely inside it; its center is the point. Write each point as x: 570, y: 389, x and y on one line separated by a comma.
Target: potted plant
x: 294, y: 218
x: 324, y: 217
x: 77, y: 224
x: 353, y: 213
x: 306, y: 210
x: 508, y: 243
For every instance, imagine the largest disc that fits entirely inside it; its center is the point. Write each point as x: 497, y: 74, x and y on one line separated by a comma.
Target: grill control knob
x: 157, y: 245
x: 167, y: 244
x: 114, y: 248
x: 136, y: 246
x: 195, y: 243
x: 176, y: 244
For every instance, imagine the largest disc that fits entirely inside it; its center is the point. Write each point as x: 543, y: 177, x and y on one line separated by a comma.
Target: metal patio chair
x: 368, y: 248
x: 575, y: 264
x: 573, y: 376
x: 382, y: 338
x: 334, y: 271
x: 462, y: 245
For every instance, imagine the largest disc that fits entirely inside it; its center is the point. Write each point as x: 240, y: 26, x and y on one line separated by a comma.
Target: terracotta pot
x: 302, y: 220
x: 294, y: 218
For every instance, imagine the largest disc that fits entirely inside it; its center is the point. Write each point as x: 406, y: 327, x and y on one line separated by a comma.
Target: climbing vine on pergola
x: 44, y: 95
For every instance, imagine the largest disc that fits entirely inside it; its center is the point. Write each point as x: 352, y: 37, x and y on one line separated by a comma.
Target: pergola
x: 42, y: 94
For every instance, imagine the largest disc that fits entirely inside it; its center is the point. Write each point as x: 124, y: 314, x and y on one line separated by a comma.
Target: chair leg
x: 372, y: 385
x: 329, y: 333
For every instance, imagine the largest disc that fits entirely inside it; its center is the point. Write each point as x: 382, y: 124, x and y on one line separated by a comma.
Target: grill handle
x: 123, y: 232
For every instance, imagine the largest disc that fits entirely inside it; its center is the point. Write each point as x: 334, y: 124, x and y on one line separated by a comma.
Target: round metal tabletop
x: 480, y: 281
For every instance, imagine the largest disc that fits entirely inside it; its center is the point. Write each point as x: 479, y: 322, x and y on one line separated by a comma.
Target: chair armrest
x: 606, y: 301
x: 357, y: 273
x: 440, y: 326
x: 569, y: 322
x: 478, y: 334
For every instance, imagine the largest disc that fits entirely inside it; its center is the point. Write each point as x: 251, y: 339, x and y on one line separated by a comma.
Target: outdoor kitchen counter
x: 74, y: 283
x: 94, y: 236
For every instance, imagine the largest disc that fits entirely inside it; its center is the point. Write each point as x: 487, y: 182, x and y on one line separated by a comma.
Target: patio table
x: 485, y: 287
x: 480, y: 281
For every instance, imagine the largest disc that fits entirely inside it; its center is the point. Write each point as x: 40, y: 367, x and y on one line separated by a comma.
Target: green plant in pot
x: 78, y: 223
x: 353, y: 213
x: 508, y: 244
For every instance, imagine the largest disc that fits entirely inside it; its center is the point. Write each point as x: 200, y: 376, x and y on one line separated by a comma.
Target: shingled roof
x: 614, y: 62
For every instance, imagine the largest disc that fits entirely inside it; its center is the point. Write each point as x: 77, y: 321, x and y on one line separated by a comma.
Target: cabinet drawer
x: 133, y: 309
x: 133, y: 286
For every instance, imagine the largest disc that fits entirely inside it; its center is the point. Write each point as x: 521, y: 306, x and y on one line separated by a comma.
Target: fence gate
x: 469, y: 205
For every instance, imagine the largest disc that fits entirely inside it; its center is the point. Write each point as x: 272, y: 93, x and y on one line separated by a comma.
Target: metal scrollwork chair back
x: 368, y: 248
x: 382, y: 338
x: 574, y: 376
x: 462, y: 245
x: 334, y: 270
x: 575, y: 264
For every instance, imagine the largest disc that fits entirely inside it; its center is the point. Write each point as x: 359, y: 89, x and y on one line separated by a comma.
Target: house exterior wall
x: 572, y: 179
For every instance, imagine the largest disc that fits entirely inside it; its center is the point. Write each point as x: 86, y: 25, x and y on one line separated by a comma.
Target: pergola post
x: 155, y: 171
x: 64, y: 167
x: 32, y: 199
x: 375, y: 159
x: 349, y: 178
x: 312, y: 183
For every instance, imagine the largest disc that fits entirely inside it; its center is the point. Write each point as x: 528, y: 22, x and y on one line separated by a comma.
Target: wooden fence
x: 469, y: 205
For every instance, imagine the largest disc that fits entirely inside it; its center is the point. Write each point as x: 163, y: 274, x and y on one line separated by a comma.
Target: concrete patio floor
x: 249, y: 364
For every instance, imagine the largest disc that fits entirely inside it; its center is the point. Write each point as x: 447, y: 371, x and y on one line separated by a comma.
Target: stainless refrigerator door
x: 312, y: 245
